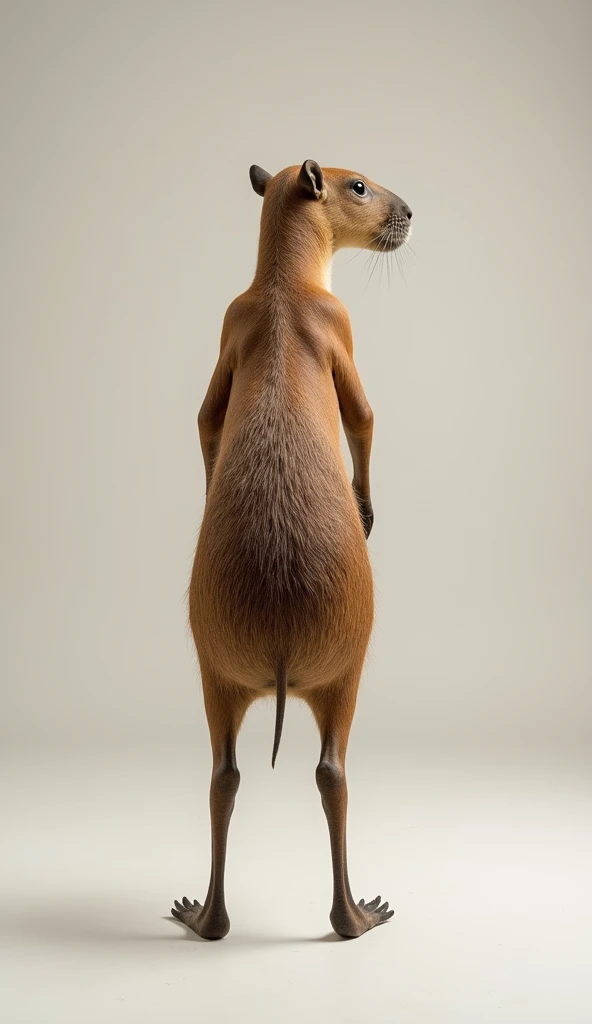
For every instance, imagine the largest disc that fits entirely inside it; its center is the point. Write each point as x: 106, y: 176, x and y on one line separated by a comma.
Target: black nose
x: 406, y: 211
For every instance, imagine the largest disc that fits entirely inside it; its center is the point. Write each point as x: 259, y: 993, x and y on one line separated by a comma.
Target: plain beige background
x: 128, y: 225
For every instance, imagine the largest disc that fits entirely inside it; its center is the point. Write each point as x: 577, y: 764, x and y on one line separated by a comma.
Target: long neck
x: 295, y: 246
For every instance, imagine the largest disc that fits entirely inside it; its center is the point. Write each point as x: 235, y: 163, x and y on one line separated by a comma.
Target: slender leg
x: 225, y: 709
x: 333, y: 708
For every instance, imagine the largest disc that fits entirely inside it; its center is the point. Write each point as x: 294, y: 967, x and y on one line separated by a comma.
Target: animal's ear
x: 259, y: 179
x: 312, y: 181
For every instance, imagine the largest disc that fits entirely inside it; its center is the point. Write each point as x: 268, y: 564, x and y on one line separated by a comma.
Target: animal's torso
x: 281, y: 553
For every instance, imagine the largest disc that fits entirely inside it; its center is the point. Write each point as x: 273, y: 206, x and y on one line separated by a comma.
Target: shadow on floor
x: 96, y: 922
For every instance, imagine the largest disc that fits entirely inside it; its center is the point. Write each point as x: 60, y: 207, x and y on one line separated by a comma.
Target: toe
x: 186, y: 903
x: 373, y: 905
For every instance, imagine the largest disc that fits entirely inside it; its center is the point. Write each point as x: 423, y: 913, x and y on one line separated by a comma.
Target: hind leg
x: 333, y: 708
x: 225, y: 708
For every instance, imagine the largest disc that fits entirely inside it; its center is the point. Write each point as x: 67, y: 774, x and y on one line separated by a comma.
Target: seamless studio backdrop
x: 129, y: 224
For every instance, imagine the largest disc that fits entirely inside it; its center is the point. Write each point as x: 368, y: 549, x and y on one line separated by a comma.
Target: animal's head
x: 358, y: 213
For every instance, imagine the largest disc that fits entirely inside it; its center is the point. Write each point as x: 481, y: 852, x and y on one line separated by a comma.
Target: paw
x: 366, y: 513
x: 186, y: 911
x: 206, y: 924
x: 376, y: 913
x: 351, y: 921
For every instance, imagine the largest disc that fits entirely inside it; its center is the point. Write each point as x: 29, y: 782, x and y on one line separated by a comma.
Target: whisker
x: 381, y: 270
x: 370, y: 265
x: 379, y: 238
x: 387, y: 243
x: 388, y: 249
x: 372, y: 261
x: 377, y: 253
x: 401, y: 268
x: 390, y: 267
x: 364, y: 247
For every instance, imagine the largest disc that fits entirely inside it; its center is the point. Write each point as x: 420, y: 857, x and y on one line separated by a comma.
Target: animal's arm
x: 358, y: 422
x: 210, y: 420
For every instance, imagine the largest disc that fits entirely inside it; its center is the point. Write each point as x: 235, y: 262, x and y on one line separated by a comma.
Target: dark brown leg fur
x: 225, y: 709
x: 333, y: 708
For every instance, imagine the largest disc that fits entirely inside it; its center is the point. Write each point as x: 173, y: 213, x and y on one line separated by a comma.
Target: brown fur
x: 281, y: 593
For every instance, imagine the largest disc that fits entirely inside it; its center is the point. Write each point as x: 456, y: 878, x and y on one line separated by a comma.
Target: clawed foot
x: 348, y: 921
x: 207, y: 925
x: 351, y: 922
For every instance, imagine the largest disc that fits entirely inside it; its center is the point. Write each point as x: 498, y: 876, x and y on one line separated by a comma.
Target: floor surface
x: 485, y: 859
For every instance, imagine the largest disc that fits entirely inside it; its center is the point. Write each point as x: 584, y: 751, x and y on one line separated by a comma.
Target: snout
x: 397, y: 226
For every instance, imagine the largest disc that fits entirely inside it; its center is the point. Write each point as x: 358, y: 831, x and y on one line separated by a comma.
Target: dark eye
x: 359, y: 188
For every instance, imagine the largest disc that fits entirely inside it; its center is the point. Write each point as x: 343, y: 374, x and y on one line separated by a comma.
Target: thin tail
x: 280, y: 707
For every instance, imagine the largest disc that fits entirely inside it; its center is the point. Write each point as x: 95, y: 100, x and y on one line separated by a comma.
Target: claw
x: 180, y: 909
